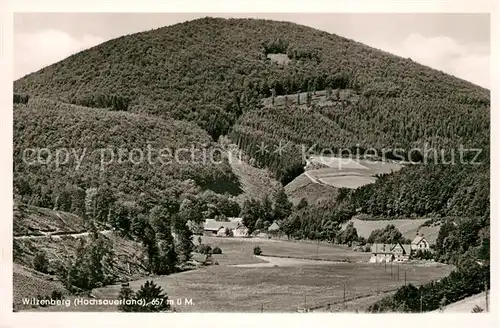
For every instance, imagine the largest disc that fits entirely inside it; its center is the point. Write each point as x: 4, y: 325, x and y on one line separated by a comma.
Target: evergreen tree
x: 282, y: 206
x: 127, y: 294
x: 153, y: 296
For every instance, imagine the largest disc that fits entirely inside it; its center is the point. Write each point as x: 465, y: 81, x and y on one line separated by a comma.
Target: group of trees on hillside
x: 260, y: 214
x: 92, y: 264
x: 113, y: 102
x: 322, y: 221
x: 387, y: 235
x: 65, y: 157
x: 446, y: 190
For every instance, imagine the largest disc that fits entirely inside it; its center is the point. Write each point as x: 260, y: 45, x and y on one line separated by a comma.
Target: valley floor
x: 295, y: 279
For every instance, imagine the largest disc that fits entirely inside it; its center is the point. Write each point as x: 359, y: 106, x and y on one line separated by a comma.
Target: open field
x: 303, y: 187
x: 241, y: 250
x: 348, y: 181
x: 286, y: 287
x: 408, y: 227
x: 467, y: 304
x: 347, y: 172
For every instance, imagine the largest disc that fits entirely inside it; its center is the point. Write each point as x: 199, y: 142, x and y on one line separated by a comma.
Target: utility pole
x: 405, y: 277
x: 486, y: 295
x: 385, y: 265
x: 398, y: 272
x: 391, y: 270
x: 420, y: 300
x: 344, y: 296
x: 317, y: 250
x: 262, y: 308
x: 305, y: 302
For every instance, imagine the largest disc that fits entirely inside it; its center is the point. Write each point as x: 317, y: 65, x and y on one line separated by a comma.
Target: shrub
x: 41, y: 263
x: 257, y: 250
x: 21, y: 98
x: 217, y: 250
x: 204, y: 249
x: 153, y: 296
x: 423, y: 255
x: 229, y: 233
x: 477, y: 309
x: 56, y: 295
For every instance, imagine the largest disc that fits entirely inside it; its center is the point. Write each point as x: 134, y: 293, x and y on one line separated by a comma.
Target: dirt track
x: 273, y: 261
x: 60, y: 234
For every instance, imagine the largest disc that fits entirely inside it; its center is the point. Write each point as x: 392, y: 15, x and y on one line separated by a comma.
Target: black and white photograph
x: 251, y: 163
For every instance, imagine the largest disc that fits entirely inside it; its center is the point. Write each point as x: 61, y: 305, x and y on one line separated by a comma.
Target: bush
x: 257, y: 250
x: 56, y: 295
x: 423, y: 255
x: 21, y: 98
x: 217, y: 250
x: 41, y: 263
x: 477, y: 309
x: 153, y: 296
x: 204, y: 249
x: 229, y: 233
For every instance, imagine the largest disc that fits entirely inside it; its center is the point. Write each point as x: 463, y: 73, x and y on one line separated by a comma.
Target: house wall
x: 240, y: 233
x: 423, y: 245
x: 210, y: 232
x: 380, y: 257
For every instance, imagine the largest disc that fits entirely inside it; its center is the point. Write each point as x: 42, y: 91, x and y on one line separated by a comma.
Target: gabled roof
x: 239, y: 220
x: 273, y: 227
x: 389, y: 248
x: 216, y: 225
x: 417, y: 239
x: 382, y: 248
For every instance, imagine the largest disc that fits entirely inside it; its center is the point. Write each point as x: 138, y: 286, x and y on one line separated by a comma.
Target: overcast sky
x: 458, y: 44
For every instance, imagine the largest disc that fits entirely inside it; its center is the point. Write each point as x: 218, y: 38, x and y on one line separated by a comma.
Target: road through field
x: 58, y: 235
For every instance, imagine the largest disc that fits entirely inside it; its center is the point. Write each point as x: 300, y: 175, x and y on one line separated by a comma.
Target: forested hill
x: 211, y: 70
x: 222, y: 74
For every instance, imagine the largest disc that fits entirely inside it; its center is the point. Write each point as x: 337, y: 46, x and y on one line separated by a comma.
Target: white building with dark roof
x: 420, y: 243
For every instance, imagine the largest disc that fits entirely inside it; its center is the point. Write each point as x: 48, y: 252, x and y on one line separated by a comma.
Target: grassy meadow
x: 229, y: 288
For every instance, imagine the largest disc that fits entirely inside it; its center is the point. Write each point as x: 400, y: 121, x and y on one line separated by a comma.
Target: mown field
x: 227, y: 288
x: 348, y: 173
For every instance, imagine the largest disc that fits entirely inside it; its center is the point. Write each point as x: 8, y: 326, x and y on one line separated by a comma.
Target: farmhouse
x: 241, y: 231
x: 390, y: 253
x: 273, y: 227
x: 218, y: 228
x: 419, y: 243
x: 212, y: 227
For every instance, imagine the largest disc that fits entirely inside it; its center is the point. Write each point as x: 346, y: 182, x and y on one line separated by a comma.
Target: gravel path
x: 273, y: 261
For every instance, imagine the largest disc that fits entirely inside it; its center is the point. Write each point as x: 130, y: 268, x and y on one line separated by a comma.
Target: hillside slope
x: 62, y: 151
x: 222, y: 74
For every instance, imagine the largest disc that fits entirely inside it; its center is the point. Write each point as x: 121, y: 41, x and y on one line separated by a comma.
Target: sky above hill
x: 458, y: 44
